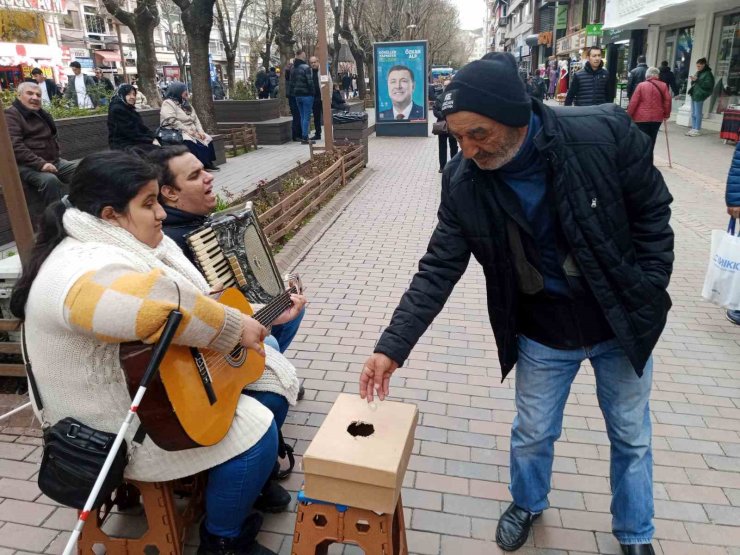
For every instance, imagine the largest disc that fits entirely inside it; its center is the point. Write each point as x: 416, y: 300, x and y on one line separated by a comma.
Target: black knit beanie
x: 490, y: 87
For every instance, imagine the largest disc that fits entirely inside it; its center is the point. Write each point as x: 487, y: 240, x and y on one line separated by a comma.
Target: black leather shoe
x: 637, y: 549
x: 513, y: 528
x: 273, y: 498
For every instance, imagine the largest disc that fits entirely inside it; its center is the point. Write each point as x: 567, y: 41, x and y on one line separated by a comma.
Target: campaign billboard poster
x: 401, y: 88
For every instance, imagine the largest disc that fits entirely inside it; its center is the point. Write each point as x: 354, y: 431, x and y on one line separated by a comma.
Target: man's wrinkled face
x: 594, y: 58
x: 400, y: 87
x: 30, y: 97
x: 488, y: 143
x: 314, y: 61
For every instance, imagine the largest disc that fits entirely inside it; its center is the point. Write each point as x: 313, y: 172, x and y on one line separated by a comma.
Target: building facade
x: 680, y: 32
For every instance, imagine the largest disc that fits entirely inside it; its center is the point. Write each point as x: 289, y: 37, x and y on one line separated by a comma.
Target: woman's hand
x: 299, y: 302
x: 253, y: 334
x: 376, y: 375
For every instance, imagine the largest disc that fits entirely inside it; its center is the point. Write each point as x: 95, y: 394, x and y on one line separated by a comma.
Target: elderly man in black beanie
x: 569, y: 219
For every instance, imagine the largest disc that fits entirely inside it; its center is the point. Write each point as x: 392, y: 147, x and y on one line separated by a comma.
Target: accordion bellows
x: 231, y: 251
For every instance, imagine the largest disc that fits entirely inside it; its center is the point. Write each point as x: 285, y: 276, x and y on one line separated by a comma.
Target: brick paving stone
x: 357, y: 268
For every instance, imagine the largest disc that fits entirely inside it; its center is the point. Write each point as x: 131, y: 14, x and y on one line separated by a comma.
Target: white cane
x: 668, y: 146
x: 159, y: 351
x: 15, y: 410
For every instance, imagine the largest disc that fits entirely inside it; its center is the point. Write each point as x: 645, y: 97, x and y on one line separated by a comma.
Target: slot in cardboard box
x: 364, y: 470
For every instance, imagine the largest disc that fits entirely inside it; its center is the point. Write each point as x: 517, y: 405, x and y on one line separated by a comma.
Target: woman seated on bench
x: 102, y: 273
x: 126, y: 128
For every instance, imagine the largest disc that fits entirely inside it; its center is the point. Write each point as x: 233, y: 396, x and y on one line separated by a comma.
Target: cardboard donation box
x: 359, y: 455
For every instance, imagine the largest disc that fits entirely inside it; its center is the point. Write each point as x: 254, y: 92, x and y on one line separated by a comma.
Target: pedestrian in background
x: 318, y: 105
x: 49, y: 89
x: 701, y: 89
x: 636, y: 76
x: 79, y: 87
x: 668, y: 77
x: 650, y: 104
x: 273, y: 82
x: 295, y: 126
x: 732, y: 197
x: 126, y: 128
x: 536, y: 87
x: 302, y: 88
x: 443, y: 137
x: 588, y: 87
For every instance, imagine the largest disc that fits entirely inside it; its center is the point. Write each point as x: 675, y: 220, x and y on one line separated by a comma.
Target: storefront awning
x: 108, y: 55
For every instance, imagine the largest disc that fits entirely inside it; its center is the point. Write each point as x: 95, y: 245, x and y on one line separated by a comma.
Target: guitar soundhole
x: 236, y: 357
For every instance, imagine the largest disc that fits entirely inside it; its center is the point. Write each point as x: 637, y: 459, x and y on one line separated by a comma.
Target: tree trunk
x: 197, y: 19
x: 231, y: 69
x: 359, y: 57
x: 146, y: 59
x: 267, y: 54
x: 285, y: 41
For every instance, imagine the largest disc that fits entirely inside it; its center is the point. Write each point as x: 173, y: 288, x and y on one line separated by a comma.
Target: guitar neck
x: 268, y: 313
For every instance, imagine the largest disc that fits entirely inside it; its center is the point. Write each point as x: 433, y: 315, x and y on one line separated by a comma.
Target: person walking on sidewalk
x: 636, y: 76
x: 732, y: 196
x: 668, y: 77
x: 443, y: 138
x: 701, y: 89
x: 577, y: 252
x: 588, y: 86
x: 650, y: 104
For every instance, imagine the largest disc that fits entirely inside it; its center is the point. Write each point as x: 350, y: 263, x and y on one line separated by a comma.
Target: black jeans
x: 317, y: 116
x: 650, y: 128
x: 295, y: 128
x: 443, y: 139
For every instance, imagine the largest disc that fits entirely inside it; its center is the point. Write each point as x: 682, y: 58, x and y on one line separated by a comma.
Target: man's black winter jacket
x: 613, y: 208
x: 636, y: 77
x: 301, y: 79
x: 588, y: 87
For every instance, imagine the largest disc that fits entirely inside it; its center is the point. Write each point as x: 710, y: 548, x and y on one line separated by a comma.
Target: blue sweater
x: 732, y: 195
x: 526, y: 176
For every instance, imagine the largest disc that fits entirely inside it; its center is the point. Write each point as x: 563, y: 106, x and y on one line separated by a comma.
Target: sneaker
x: 273, y: 498
x: 734, y: 316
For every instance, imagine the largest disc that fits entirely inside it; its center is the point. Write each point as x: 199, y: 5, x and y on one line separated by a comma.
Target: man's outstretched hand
x: 376, y: 375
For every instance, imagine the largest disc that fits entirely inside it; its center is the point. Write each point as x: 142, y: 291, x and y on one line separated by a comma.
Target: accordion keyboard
x: 217, y: 269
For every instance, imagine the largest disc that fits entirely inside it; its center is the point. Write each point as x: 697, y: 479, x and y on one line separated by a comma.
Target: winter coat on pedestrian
x: 177, y: 113
x: 732, y: 194
x: 273, y: 81
x: 536, y: 87
x: 702, y: 87
x: 588, y: 87
x: 125, y: 126
x: 636, y: 76
x: 301, y: 79
x: 33, y: 135
x: 651, y: 101
x: 261, y: 82
x: 613, y: 208
x: 669, y: 78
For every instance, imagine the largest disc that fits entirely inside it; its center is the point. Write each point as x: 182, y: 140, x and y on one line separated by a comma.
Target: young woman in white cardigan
x: 102, y: 273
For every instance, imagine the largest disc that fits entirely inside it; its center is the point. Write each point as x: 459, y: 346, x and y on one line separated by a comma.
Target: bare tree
x: 283, y: 25
x: 229, y: 17
x: 142, y: 22
x: 177, y: 40
x: 197, y: 19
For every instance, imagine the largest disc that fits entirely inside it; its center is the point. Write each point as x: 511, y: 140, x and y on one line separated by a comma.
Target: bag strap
x: 29, y: 371
x: 654, y: 84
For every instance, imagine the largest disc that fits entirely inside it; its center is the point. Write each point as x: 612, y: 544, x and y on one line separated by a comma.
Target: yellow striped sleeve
x: 115, y: 304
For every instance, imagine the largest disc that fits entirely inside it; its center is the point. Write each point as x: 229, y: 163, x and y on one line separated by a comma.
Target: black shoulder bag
x: 73, y: 457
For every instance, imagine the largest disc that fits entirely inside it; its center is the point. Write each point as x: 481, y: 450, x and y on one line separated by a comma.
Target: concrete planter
x: 247, y: 110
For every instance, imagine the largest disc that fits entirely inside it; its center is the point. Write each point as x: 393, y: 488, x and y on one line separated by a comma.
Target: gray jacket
x: 70, y: 93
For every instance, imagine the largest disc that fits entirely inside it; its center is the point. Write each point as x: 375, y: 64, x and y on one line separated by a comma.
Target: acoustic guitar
x: 193, y: 399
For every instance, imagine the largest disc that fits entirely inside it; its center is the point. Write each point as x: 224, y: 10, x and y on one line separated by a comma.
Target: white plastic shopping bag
x: 722, y: 283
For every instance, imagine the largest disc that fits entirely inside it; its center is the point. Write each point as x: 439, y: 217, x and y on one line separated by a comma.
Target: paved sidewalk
x: 456, y: 485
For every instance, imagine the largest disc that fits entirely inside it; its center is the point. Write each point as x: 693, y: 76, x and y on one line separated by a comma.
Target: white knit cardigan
x: 81, y: 377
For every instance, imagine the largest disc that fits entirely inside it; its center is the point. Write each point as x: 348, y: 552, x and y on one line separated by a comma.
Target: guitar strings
x: 272, y: 310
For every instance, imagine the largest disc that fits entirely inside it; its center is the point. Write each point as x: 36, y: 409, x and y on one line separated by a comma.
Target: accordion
x: 231, y: 251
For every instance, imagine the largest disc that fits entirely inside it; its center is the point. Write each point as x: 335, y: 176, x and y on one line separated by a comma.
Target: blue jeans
x: 277, y: 404
x: 305, y: 108
x: 543, y: 379
x: 696, y: 114
x: 233, y: 486
x: 283, y: 334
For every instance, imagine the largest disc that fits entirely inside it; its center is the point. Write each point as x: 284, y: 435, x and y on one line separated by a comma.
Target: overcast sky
x: 472, y: 13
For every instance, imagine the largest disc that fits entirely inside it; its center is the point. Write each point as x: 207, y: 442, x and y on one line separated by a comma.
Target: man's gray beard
x: 497, y: 162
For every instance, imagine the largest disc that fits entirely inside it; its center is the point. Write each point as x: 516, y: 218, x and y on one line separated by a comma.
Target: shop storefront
x: 725, y: 61
x: 676, y: 46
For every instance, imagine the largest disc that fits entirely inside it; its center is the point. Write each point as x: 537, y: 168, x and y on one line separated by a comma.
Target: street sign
x: 594, y: 29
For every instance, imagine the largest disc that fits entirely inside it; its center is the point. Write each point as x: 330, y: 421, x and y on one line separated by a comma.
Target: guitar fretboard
x: 267, y: 314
